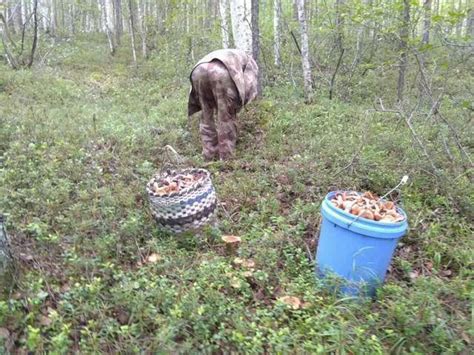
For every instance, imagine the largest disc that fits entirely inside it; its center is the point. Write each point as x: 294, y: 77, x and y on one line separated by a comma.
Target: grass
x: 80, y: 138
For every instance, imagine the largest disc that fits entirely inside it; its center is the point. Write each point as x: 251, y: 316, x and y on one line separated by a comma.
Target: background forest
x: 356, y: 94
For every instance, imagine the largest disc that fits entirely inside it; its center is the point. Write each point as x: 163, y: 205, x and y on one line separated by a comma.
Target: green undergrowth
x: 80, y: 138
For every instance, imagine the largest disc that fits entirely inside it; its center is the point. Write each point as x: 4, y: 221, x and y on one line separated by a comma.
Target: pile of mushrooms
x: 174, y: 183
x: 367, y: 205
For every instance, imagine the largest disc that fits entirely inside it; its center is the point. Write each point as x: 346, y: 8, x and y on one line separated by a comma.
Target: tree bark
x: 6, y: 259
x: 6, y: 42
x: 17, y: 21
x: 256, y: 43
x: 426, y: 21
x: 240, y: 11
x: 52, y: 17
x: 143, y: 27
x: 223, y: 8
x: 23, y: 11
x: 35, y: 33
x: 277, y: 31
x: 470, y: 24
x: 118, y: 21
x: 339, y: 25
x: 308, y: 82
x: 132, y: 30
x: 108, y: 23
x: 403, y: 63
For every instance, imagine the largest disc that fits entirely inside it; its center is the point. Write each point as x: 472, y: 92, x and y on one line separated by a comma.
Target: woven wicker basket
x: 189, y: 209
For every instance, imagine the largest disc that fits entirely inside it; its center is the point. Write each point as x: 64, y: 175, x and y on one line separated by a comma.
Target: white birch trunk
x: 17, y: 21
x: 277, y: 31
x: 108, y: 22
x: 43, y: 14
x: 240, y: 11
x: 88, y: 27
x: 72, y: 18
x: 223, y: 6
x: 6, y: 260
x: 52, y: 16
x: 426, y: 21
x: 23, y: 11
x: 308, y: 82
x: 132, y: 31
x: 143, y: 27
x: 101, y: 18
x: 110, y: 15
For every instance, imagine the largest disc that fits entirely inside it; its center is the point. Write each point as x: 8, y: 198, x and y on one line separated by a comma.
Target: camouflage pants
x: 217, y: 94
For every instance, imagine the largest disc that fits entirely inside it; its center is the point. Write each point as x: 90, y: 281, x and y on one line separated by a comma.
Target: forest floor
x: 80, y: 138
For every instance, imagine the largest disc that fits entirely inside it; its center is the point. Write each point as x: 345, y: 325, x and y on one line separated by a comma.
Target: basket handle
x: 171, y: 158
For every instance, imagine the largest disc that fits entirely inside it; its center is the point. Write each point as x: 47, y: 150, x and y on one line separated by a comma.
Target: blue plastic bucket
x: 358, y: 250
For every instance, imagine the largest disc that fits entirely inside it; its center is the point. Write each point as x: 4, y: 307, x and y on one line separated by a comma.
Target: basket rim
x: 184, y: 191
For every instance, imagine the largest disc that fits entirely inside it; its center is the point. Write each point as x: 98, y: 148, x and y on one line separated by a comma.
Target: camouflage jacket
x: 243, y: 70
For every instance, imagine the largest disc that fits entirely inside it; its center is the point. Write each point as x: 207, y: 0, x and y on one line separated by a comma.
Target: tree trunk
x: 43, y: 12
x: 17, y: 21
x: 73, y: 18
x: 108, y: 23
x: 35, y: 33
x: 308, y: 82
x: 63, y: 17
x: 5, y: 36
x: 52, y: 17
x: 240, y: 11
x: 6, y: 259
x: 339, y: 25
x: 132, y: 30
x: 118, y: 20
x: 143, y: 27
x: 426, y: 21
x: 24, y: 11
x: 277, y: 31
x: 256, y: 43
x: 223, y: 7
x: 87, y: 21
x: 470, y: 24
x: 403, y: 63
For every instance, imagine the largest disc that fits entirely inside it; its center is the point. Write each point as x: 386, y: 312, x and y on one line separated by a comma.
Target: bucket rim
x: 363, y: 220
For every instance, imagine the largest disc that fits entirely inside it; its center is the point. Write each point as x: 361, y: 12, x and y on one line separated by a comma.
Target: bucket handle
x: 403, y: 181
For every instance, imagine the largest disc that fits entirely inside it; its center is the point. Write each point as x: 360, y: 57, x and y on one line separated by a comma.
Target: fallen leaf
x: 293, y: 302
